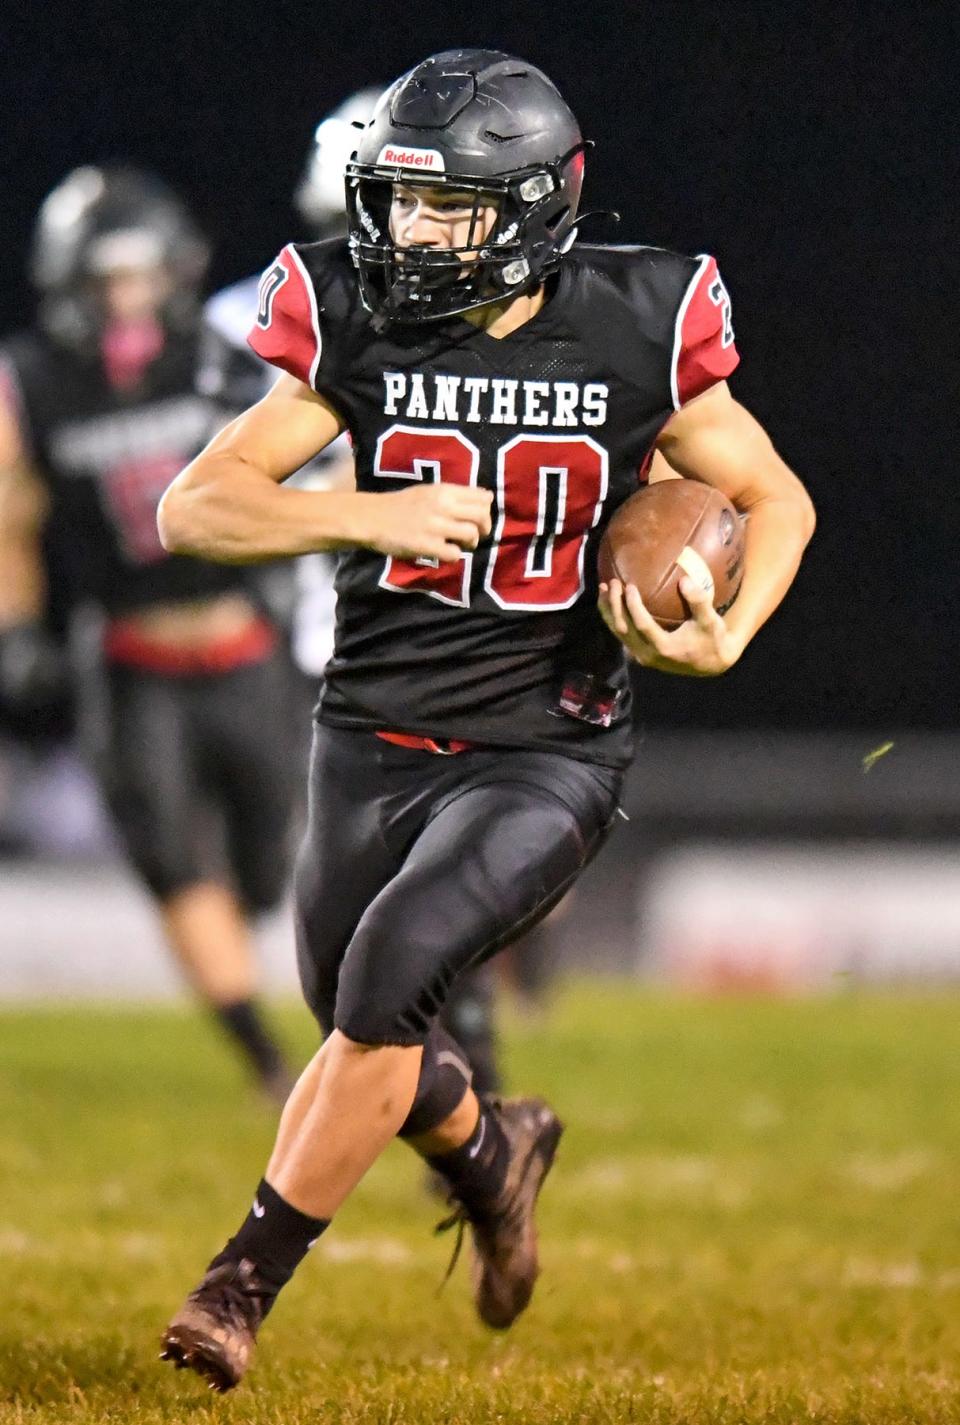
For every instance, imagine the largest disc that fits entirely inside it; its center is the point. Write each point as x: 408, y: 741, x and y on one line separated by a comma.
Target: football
x: 669, y: 529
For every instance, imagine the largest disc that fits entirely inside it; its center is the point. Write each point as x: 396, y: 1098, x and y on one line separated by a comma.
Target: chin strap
x: 609, y: 215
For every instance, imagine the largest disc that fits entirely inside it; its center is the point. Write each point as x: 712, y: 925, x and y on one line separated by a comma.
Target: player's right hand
x: 437, y: 521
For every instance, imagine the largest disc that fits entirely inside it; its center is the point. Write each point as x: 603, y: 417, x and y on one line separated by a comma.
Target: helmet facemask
x: 532, y: 212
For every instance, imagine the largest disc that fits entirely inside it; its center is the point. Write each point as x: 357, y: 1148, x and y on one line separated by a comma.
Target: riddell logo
x: 412, y: 158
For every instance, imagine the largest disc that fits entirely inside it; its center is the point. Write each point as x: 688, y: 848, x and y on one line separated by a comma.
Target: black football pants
x: 176, y: 755
x: 416, y: 866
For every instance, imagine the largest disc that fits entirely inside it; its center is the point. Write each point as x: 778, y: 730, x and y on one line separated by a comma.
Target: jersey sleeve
x: 703, y: 347
x: 286, y: 331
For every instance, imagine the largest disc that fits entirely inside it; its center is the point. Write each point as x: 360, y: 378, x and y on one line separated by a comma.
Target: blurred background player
x: 231, y: 375
x: 98, y: 412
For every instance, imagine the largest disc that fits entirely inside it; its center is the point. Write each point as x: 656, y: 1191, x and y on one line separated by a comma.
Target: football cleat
x: 215, y: 1331
x: 505, y: 1265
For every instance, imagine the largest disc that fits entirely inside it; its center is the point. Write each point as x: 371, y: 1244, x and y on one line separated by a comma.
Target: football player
x: 504, y: 387
x: 97, y: 413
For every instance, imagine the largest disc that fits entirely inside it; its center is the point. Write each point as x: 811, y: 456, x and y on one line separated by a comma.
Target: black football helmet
x: 99, y: 220
x: 482, y: 123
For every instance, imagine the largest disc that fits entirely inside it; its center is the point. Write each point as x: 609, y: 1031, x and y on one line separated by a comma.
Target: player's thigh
x: 252, y: 766
x: 146, y: 768
x: 490, y: 862
x: 343, y: 862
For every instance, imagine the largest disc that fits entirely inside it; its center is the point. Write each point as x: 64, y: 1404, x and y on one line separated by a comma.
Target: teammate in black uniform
x: 504, y: 388
x: 97, y: 414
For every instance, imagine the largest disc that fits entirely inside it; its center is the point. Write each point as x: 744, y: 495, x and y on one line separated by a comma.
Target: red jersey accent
x: 703, y: 352
x: 406, y: 453
x: 551, y: 490
x: 287, y: 331
x: 442, y: 747
x: 126, y: 644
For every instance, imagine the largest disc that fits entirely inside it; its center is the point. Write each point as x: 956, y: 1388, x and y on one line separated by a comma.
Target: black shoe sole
x: 193, y: 1354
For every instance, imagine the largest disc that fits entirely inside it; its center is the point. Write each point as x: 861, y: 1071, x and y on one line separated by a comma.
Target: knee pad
x: 396, y: 1012
x: 394, y: 980
x: 384, y: 1023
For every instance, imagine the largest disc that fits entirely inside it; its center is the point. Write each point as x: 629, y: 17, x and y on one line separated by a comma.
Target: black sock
x: 242, y: 1021
x: 478, y: 1168
x: 275, y: 1237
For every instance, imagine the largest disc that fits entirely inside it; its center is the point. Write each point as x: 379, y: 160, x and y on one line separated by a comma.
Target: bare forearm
x: 23, y: 593
x: 23, y: 512
x: 222, y: 509
x: 777, y: 533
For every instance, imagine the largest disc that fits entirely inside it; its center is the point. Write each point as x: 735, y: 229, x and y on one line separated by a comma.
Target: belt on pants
x: 440, y: 746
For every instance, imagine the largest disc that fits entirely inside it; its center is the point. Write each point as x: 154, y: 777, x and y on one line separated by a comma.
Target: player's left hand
x: 702, y: 647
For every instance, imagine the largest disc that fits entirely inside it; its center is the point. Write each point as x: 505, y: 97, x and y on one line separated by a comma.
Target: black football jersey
x: 506, y: 646
x: 106, y: 457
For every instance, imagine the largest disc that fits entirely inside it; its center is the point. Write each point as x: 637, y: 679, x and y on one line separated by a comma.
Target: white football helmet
x: 319, y: 198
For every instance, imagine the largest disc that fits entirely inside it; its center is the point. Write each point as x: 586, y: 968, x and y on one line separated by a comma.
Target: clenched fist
x: 437, y: 521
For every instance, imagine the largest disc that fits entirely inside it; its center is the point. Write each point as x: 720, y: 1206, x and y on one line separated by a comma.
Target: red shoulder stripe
x: 287, y: 330
x: 703, y: 348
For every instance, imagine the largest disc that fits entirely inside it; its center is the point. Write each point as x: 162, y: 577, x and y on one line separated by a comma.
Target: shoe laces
x: 237, y: 1300
x: 458, y: 1219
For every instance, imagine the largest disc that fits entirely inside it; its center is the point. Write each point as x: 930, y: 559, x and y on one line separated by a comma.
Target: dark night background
x: 813, y: 150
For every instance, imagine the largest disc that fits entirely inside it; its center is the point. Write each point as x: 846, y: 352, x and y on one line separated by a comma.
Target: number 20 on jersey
x: 550, y: 494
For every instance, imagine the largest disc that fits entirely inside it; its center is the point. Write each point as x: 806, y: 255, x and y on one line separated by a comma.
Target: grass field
x: 755, y: 1217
